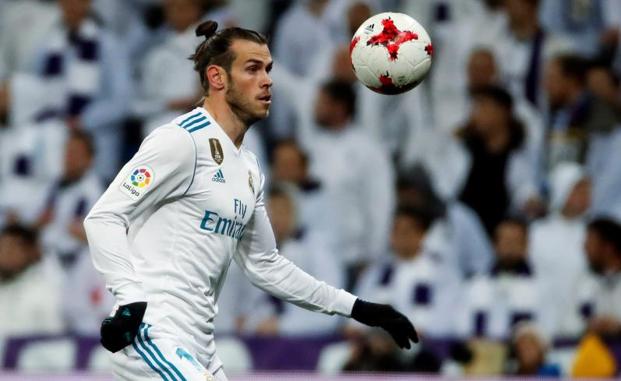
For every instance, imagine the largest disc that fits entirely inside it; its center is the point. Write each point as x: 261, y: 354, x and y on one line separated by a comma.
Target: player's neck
x: 232, y: 125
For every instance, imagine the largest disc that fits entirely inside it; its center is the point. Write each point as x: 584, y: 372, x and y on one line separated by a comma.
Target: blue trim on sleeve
x: 196, y: 128
x: 194, y: 122
x: 190, y: 118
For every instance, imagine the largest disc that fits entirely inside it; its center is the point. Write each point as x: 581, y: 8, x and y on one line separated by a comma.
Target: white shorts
x: 152, y: 358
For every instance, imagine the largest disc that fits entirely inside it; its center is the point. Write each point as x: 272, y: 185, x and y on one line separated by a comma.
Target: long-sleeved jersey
x: 167, y: 227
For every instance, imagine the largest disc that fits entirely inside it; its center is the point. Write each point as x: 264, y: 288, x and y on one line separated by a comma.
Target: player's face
x: 249, y: 91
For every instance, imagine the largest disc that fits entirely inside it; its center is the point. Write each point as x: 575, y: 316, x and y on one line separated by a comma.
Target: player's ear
x: 216, y: 77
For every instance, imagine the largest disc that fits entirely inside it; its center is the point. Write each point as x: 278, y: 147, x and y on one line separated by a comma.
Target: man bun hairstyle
x: 215, y: 49
x: 206, y: 29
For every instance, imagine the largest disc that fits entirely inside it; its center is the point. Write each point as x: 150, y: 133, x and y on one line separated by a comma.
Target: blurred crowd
x: 485, y: 203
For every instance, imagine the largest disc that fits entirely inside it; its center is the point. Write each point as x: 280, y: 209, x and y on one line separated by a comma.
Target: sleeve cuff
x: 344, y: 303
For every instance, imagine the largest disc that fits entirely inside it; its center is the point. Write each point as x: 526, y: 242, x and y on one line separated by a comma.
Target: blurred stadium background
x: 485, y: 203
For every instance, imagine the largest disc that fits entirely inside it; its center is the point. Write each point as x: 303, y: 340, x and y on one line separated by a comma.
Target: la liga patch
x: 138, y: 181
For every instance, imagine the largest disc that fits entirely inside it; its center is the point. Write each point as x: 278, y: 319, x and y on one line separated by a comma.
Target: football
x: 391, y: 53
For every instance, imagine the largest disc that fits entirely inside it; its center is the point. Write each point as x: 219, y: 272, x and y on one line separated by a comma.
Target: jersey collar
x: 221, y: 131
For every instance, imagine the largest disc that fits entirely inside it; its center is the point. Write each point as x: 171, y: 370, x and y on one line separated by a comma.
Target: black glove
x: 119, y: 331
x: 386, y: 317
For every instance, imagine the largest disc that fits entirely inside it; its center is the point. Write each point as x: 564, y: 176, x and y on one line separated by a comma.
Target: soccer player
x: 164, y: 232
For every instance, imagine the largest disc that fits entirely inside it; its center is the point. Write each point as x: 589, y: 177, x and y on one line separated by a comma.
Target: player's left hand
x: 119, y: 331
x: 386, y: 317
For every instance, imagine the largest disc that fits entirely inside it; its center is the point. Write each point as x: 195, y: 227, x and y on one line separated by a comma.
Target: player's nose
x: 266, y: 81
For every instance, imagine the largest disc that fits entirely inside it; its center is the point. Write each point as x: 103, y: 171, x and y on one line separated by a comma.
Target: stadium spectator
x: 353, y: 166
x: 501, y: 175
x: 576, y: 115
x: 69, y: 200
x: 557, y: 243
x: 30, y: 160
x: 477, y: 23
x: 604, y: 156
x: 523, y: 48
x: 456, y: 234
x: 294, y: 46
x: 603, y: 251
x: 18, y: 38
x: 483, y: 71
x: 387, y: 119
x: 604, y: 83
x: 296, y: 49
x: 129, y: 22
x: 415, y: 281
x: 30, y: 300
x: 510, y: 292
x: 85, y: 302
x: 375, y: 353
x: 168, y: 85
x: 530, y: 347
x: 591, y: 26
x: 290, y: 164
x: 83, y: 75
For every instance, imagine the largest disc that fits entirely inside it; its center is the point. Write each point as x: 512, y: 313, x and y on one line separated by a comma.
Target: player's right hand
x: 386, y: 317
x: 119, y: 331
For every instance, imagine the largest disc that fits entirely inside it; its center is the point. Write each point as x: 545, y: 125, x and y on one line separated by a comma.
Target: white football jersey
x: 167, y: 227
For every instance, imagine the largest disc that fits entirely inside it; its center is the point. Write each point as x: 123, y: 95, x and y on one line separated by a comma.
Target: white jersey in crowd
x: 491, y: 304
x: 69, y: 202
x: 424, y: 288
x: 166, y: 229
x: 31, y: 303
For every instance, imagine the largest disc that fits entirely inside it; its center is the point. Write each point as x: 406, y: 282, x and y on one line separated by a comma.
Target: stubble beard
x: 241, y: 107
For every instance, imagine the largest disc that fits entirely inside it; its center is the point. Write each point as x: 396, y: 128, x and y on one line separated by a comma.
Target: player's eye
x: 253, y: 68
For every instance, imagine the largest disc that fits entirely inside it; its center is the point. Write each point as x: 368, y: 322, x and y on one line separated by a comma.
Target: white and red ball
x: 391, y: 53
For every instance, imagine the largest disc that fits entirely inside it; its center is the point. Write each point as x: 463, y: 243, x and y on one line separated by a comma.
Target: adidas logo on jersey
x: 218, y: 177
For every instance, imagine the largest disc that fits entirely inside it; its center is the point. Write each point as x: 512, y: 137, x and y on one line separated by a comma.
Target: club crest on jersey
x: 137, y: 182
x: 250, y: 183
x: 216, y: 150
